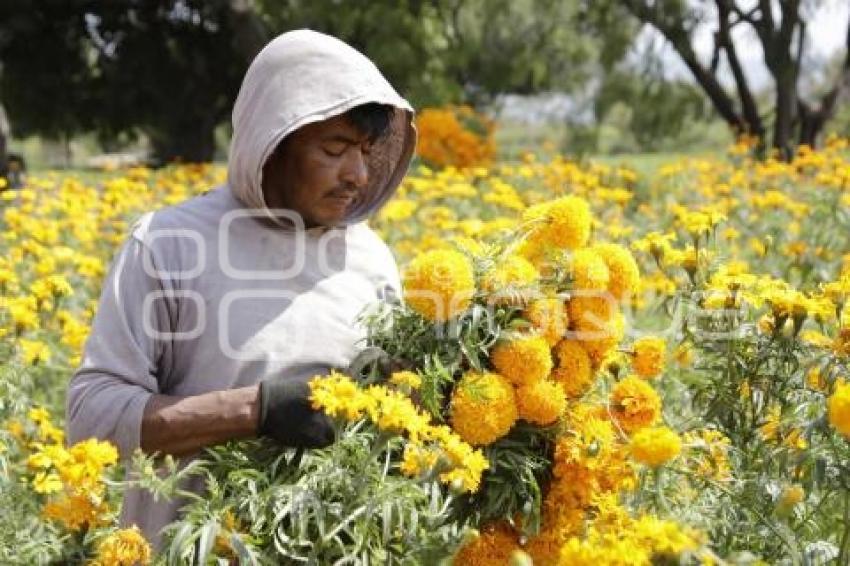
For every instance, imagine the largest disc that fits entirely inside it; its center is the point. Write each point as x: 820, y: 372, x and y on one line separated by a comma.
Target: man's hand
x: 287, y: 417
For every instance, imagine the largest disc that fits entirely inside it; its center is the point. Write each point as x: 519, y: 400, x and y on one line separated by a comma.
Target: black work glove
x: 287, y: 417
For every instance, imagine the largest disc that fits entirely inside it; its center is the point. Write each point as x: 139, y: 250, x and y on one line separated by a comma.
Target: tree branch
x: 813, y: 120
x: 748, y: 102
x: 743, y: 16
x: 674, y: 31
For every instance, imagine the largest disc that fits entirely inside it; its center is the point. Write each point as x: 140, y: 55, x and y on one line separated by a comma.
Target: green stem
x: 660, y: 500
x: 845, y: 537
x: 764, y: 520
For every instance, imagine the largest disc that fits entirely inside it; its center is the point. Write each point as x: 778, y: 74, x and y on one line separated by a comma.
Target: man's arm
x: 184, y: 425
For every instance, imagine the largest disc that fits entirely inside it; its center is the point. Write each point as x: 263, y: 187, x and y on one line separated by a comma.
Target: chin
x: 328, y: 221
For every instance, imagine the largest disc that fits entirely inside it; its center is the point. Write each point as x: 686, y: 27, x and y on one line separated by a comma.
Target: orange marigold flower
x: 522, y: 360
x: 648, y: 358
x: 574, y: 371
x: 541, y: 402
x: 635, y: 404
x: 483, y: 407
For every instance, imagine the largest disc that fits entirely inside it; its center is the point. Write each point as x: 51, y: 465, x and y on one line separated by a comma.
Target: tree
x: 405, y: 39
x: 781, y: 29
x: 660, y: 108
x: 171, y: 68
x: 526, y: 46
x: 45, y: 76
x: 438, y: 51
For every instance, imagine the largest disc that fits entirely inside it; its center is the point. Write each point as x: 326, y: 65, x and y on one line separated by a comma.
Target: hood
x: 302, y: 77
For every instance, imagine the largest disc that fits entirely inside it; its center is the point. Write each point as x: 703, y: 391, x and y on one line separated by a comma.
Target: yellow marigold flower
x: 59, y: 286
x: 38, y: 415
x: 589, y: 270
x: 16, y: 429
x: 510, y: 275
x: 655, y: 446
x: 522, y: 359
x: 78, y: 511
x: 664, y: 537
x: 561, y: 223
x: 86, y: 463
x: 47, y: 482
x: 635, y: 404
x: 439, y: 284
x: 684, y: 355
x: 126, y: 547
x: 603, y: 549
x: 468, y: 463
x: 493, y: 545
x: 792, y: 495
x: 591, y: 312
x: 624, y: 274
x: 816, y: 339
x: 541, y: 402
x: 398, y: 209
x: 574, y: 371
x: 338, y: 396
x: 773, y: 421
x: 417, y: 460
x: 483, y: 407
x: 648, y: 359
x: 600, y: 342
x: 49, y: 455
x: 710, y: 449
x: 549, y: 318
x: 839, y: 408
x: 409, y: 379
x: 815, y: 379
x: 98, y: 453
x: 34, y: 352
x: 392, y: 411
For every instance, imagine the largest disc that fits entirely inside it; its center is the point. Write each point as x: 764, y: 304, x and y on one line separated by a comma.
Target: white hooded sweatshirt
x: 214, y: 294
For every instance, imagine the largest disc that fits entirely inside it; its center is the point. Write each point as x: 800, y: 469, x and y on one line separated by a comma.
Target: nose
x: 355, y: 170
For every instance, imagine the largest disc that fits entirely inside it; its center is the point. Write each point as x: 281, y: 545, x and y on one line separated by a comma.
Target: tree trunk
x: 4, y: 150
x: 786, y: 106
x: 811, y: 125
x: 749, y: 108
x: 4, y: 166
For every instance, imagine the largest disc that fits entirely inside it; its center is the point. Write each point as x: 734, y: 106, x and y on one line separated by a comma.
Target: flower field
x: 590, y: 366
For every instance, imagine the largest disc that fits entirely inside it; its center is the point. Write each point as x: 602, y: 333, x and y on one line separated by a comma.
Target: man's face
x: 319, y: 171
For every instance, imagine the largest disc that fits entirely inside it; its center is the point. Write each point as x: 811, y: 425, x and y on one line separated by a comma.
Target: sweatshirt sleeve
x: 121, y: 362
x: 389, y: 286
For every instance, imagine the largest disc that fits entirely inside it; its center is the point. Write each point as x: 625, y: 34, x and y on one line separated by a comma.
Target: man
x: 216, y: 311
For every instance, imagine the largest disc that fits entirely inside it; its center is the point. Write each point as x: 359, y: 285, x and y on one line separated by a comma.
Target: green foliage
x: 520, y: 465
x: 107, y: 82
x: 40, y: 94
x: 658, y: 108
x: 739, y: 377
x: 342, y: 504
x: 25, y: 538
x: 433, y: 52
x: 403, y: 38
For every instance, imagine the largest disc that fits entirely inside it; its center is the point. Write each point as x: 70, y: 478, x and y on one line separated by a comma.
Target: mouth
x: 341, y: 200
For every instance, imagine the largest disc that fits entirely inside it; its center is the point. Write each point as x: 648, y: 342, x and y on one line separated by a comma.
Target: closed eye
x: 335, y: 149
